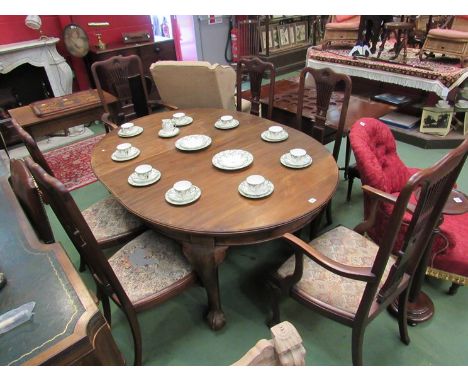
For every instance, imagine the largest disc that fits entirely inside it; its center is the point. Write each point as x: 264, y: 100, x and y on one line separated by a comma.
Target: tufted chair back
x: 376, y: 157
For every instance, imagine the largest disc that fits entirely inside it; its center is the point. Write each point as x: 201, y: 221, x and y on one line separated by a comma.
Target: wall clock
x: 76, y: 40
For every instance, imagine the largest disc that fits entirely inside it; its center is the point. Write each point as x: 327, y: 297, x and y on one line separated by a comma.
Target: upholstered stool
x: 402, y: 29
x: 447, y: 41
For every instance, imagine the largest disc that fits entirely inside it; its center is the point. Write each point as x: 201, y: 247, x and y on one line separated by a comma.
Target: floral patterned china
x: 232, y: 159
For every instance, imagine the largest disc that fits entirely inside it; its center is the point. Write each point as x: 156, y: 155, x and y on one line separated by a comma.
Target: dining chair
x: 379, y: 166
x: 348, y: 278
x: 25, y: 189
x: 195, y: 84
x: 145, y: 272
x: 284, y: 349
x: 109, y: 221
x: 124, y: 78
x: 318, y: 99
x: 255, y: 69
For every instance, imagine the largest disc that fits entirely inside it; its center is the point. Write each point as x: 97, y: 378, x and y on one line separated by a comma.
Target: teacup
x: 255, y: 184
x: 226, y: 120
x: 183, y: 189
x: 275, y: 131
x: 127, y: 128
x: 178, y: 118
x: 143, y: 171
x: 443, y: 104
x: 123, y: 150
x: 168, y: 125
x: 297, y: 156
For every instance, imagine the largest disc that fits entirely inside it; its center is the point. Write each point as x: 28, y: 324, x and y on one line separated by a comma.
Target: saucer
x: 219, y: 125
x: 193, y: 142
x: 137, y: 130
x: 282, y: 137
x: 163, y: 134
x: 458, y: 106
x: 244, y: 190
x: 232, y: 159
x: 286, y: 160
x: 154, y: 176
x: 134, y: 152
x: 185, y: 121
x: 173, y: 198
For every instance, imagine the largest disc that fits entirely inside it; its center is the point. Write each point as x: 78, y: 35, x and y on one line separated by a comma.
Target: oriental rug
x: 72, y: 164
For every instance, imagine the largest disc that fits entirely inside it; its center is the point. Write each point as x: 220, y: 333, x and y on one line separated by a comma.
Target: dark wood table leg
x: 205, y: 258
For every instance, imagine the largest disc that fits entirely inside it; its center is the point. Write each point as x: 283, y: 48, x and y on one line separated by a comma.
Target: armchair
x: 347, y: 277
x: 186, y: 84
x: 380, y: 167
x: 450, y: 41
x: 343, y: 30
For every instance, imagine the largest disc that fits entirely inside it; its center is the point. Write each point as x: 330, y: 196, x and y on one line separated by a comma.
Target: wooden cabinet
x: 149, y: 52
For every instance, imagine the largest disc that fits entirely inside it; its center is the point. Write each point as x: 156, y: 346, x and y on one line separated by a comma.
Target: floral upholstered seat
x: 346, y: 247
x: 110, y: 222
x: 148, y: 265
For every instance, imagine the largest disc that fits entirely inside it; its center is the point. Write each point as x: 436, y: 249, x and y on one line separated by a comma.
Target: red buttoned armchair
x: 380, y: 167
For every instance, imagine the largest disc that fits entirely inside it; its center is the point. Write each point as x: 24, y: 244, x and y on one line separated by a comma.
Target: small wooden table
x: 221, y: 217
x: 67, y: 327
x: 48, y: 124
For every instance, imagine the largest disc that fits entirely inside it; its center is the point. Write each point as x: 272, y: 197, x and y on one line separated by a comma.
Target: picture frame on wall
x: 292, y: 33
x: 436, y: 120
x: 263, y: 39
x: 300, y: 32
x: 283, y: 31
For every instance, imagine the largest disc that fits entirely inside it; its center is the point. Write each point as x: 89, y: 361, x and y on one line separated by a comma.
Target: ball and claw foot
x: 216, y: 319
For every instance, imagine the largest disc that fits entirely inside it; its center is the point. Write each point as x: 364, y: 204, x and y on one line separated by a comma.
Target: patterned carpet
x: 72, y: 164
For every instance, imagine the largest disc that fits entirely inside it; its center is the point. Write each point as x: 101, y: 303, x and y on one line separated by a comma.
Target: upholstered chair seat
x: 148, y: 265
x: 449, y: 34
x: 343, y: 25
x: 345, y: 246
x: 109, y: 221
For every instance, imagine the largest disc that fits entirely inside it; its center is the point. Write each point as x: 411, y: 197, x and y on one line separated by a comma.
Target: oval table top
x: 221, y: 212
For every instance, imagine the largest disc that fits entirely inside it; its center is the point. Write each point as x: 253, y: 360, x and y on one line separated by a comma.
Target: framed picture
x: 465, y: 124
x: 292, y: 33
x: 263, y: 39
x: 275, y: 37
x: 436, y: 120
x: 283, y: 31
x: 300, y: 32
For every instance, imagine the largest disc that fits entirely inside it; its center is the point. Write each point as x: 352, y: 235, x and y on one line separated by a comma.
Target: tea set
x: 124, y: 152
x: 296, y: 158
x: 274, y: 134
x: 232, y: 159
x: 193, y: 142
x: 256, y: 187
x: 182, y: 192
x: 144, y: 175
x: 226, y: 122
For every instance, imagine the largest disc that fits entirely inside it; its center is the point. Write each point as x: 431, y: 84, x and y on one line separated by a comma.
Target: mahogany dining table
x: 221, y: 217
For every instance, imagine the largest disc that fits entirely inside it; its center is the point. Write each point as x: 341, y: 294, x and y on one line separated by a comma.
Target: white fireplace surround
x: 41, y: 53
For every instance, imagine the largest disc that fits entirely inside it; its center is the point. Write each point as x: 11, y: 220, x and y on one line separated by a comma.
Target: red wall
x: 13, y: 30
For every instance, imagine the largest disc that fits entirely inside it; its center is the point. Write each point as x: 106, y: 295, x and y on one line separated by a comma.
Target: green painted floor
x: 176, y: 334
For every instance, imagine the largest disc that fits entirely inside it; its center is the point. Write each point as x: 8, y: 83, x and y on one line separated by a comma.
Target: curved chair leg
x: 105, y: 305
x: 357, y: 340
x: 274, y: 293
x: 403, y: 316
x: 350, y: 187
x: 453, y: 289
x: 135, y: 328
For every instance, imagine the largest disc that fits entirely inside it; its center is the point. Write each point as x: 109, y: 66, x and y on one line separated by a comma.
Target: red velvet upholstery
x: 379, y: 165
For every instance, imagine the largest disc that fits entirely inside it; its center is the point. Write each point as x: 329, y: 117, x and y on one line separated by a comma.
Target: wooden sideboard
x: 67, y: 327
x: 149, y: 52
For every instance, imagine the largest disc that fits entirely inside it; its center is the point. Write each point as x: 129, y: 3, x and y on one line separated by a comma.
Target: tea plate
x: 154, y: 176
x: 244, y: 190
x: 267, y: 137
x: 193, y: 142
x: 185, y: 121
x: 134, y: 152
x: 226, y: 126
x: 232, y: 159
x: 164, y: 134
x: 137, y: 130
x: 172, y: 197
x: 286, y: 161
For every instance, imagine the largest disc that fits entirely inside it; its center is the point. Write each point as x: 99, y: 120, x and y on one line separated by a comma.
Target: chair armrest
x: 355, y: 273
x: 152, y: 103
x: 385, y: 197
x: 105, y: 118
